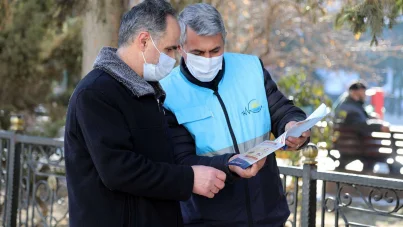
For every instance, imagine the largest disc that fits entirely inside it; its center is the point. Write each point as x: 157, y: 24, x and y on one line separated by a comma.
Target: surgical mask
x: 203, y: 69
x: 152, y: 72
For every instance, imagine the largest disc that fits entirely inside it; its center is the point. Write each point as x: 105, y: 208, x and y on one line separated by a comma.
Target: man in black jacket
x: 352, y: 115
x: 117, y: 148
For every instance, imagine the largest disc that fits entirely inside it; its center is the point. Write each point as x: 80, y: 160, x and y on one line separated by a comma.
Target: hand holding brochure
x: 267, y: 147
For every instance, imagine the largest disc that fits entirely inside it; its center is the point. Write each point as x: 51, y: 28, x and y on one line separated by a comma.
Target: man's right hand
x: 385, y: 127
x: 208, y: 181
x: 250, y: 171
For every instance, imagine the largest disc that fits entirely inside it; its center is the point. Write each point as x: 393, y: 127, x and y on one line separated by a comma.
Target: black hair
x: 150, y: 15
x: 358, y: 85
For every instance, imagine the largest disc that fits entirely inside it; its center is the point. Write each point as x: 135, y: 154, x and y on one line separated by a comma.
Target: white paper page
x: 302, y: 126
x: 256, y: 153
x: 267, y: 147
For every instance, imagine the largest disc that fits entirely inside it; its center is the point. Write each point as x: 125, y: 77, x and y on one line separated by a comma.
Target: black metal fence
x: 33, y: 189
x: 321, y: 198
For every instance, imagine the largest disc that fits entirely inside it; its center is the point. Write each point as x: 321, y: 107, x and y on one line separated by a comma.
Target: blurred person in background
x: 351, y: 114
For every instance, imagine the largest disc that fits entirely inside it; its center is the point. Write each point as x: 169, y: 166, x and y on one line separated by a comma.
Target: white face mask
x: 203, y: 69
x: 152, y: 72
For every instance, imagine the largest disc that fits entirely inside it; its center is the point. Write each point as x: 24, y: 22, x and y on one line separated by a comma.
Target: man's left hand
x: 294, y: 143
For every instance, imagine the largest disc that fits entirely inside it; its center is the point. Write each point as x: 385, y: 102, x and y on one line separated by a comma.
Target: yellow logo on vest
x: 254, y: 106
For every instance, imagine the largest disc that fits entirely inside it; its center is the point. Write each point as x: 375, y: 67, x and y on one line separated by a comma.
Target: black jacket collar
x: 354, y: 102
x: 357, y: 104
x: 213, y: 85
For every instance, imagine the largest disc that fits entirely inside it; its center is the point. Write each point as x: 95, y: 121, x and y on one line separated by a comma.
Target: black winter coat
x: 118, y: 158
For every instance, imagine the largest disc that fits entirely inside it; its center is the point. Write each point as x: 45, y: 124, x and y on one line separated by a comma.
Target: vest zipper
x: 235, y: 143
x: 160, y: 106
x: 231, y: 131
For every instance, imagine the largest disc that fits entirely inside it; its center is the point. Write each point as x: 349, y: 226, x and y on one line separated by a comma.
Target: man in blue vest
x: 219, y: 105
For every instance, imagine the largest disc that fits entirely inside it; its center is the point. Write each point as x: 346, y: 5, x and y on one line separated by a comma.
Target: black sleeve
x: 117, y: 163
x: 355, y: 121
x: 185, y: 149
x: 282, y: 110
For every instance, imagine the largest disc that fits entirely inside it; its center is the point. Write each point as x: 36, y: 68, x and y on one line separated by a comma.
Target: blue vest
x: 199, y: 111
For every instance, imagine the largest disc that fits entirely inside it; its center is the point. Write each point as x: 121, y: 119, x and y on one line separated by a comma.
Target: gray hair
x: 150, y: 15
x: 203, y: 18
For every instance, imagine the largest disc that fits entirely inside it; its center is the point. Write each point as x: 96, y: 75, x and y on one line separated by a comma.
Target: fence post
x: 13, y: 170
x: 9, y: 182
x: 16, y: 185
x: 308, y: 211
x: 13, y: 176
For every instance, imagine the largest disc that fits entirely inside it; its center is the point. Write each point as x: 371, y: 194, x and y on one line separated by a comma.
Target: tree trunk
x: 100, y: 28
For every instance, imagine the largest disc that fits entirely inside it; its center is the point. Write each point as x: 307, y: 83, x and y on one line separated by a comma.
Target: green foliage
x: 370, y: 14
x: 39, y: 40
x: 304, y: 92
x: 394, y: 12
x: 35, y: 47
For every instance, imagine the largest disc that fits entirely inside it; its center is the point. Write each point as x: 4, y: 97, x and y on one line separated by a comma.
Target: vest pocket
x: 193, y: 114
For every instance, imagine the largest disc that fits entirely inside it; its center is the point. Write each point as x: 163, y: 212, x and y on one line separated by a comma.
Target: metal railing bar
x: 291, y: 171
x: 296, y: 201
x: 322, y: 223
x: 359, y: 225
x: 6, y: 134
x: 39, y: 141
x: 336, y: 206
x: 50, y: 174
x: 368, y: 211
x: 362, y: 180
